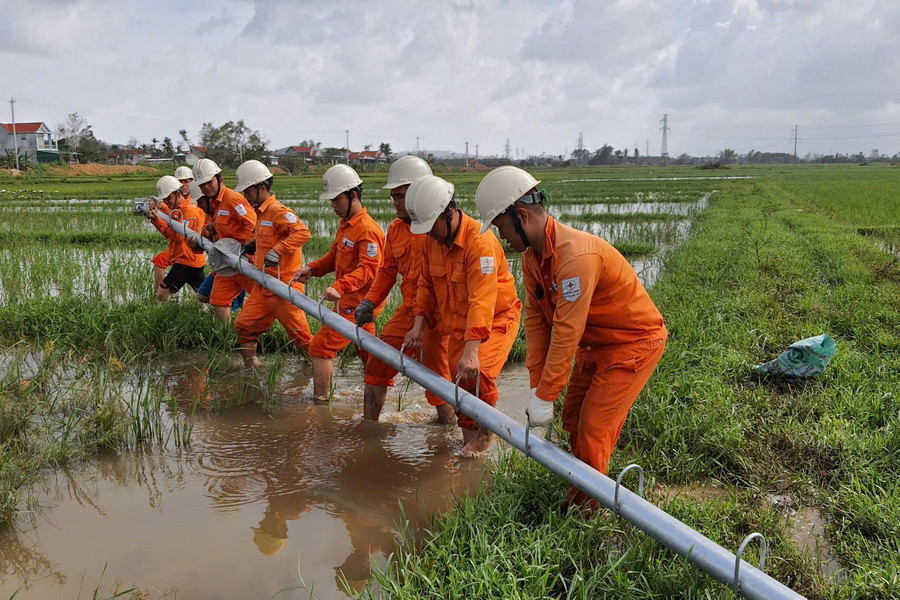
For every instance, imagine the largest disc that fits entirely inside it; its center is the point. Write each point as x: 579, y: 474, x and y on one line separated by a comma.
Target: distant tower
x: 506, y: 153
x: 664, y: 150
x: 578, y: 152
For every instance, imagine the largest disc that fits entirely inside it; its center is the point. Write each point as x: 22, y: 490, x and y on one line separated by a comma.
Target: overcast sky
x: 730, y: 73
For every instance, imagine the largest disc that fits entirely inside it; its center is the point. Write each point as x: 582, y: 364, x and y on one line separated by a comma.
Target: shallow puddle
x: 264, y: 486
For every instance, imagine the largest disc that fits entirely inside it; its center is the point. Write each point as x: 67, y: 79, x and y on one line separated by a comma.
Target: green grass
x: 774, y: 261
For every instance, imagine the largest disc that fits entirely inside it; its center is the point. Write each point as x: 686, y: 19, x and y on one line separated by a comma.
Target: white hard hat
x: 426, y: 199
x: 205, y: 169
x: 183, y: 172
x: 249, y: 173
x: 337, y: 180
x: 405, y: 170
x: 194, y: 190
x: 499, y: 189
x: 165, y: 185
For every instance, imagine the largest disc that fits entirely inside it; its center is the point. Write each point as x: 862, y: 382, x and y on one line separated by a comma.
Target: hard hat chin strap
x: 449, y: 216
x: 517, y: 224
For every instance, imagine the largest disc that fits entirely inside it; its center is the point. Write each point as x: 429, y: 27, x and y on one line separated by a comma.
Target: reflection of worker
x: 278, y: 244
x: 583, y: 300
x: 403, y: 256
x: 271, y: 534
x: 354, y: 257
x: 187, y: 263
x: 230, y: 216
x: 467, y: 288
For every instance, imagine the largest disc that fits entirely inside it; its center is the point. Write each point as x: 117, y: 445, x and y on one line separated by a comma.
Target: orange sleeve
x: 576, y: 279
x: 325, y: 265
x: 164, y: 229
x: 385, y: 278
x: 369, y: 251
x: 246, y: 217
x: 482, y: 263
x: 537, y: 329
x: 426, y: 301
x: 292, y: 231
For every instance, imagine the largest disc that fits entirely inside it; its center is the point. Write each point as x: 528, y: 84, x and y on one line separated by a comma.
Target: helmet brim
x: 423, y: 227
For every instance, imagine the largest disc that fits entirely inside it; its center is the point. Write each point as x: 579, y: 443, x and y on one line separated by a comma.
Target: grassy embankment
x: 775, y: 260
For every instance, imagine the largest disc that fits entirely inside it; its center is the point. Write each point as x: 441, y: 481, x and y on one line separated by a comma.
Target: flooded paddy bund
x: 273, y: 491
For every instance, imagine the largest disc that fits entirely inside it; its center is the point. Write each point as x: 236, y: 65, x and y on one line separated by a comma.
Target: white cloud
x: 736, y: 73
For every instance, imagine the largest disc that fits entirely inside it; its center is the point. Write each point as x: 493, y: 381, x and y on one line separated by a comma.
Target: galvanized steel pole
x: 666, y: 529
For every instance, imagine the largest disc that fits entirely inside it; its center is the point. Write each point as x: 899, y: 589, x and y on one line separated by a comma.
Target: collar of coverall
x: 355, y: 218
x: 214, y: 202
x: 549, y: 241
x: 265, y: 205
x: 465, y: 226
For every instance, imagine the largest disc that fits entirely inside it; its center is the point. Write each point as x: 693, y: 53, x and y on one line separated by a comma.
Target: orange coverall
x: 403, y: 255
x: 469, y: 290
x: 233, y: 217
x: 278, y: 228
x: 584, y: 300
x: 354, y: 256
x: 179, y: 252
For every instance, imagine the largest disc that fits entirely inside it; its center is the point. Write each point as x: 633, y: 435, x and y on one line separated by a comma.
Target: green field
x: 788, y: 253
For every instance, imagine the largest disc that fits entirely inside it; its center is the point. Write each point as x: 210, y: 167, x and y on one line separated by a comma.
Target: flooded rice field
x: 274, y: 495
x: 263, y: 490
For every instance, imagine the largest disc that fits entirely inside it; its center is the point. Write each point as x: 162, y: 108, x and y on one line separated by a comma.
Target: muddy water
x: 263, y: 486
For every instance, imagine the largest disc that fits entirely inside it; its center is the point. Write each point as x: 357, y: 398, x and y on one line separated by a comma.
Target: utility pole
x: 347, y: 133
x: 795, y: 143
x: 647, y: 147
x: 417, y: 145
x: 12, y: 109
x: 476, y: 154
x: 467, y: 154
x: 664, y: 150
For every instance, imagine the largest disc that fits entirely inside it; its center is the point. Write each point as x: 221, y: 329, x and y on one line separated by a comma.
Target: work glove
x: 209, y: 232
x: 539, y: 412
x: 365, y: 313
x: 272, y: 258
x: 249, y: 248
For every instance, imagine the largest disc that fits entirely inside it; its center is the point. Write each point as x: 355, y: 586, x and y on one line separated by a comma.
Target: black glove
x: 249, y: 248
x: 365, y: 313
x: 272, y: 259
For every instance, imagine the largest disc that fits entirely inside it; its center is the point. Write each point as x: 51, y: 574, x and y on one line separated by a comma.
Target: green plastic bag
x: 802, y: 360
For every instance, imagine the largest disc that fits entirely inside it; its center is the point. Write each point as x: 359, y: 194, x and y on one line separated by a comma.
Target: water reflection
x: 262, y: 485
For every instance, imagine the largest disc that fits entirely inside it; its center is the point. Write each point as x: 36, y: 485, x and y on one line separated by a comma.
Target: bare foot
x: 478, y: 444
x: 445, y: 414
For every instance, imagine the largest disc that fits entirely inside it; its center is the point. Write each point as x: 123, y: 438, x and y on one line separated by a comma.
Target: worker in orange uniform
x: 354, y: 257
x: 278, y: 249
x: 187, y: 263
x: 161, y: 261
x: 465, y: 287
x: 403, y: 256
x: 583, y: 301
x: 230, y: 216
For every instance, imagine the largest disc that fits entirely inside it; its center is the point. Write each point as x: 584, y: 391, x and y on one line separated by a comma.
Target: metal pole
x: 666, y: 529
x: 12, y: 109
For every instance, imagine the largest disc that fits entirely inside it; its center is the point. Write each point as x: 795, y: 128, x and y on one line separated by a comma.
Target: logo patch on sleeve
x: 571, y: 289
x: 487, y: 264
x: 371, y: 250
x: 239, y: 209
x: 290, y: 217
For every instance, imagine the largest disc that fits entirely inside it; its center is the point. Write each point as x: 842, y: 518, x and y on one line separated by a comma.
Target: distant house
x: 33, y: 139
x: 194, y: 154
x: 128, y: 156
x: 310, y: 154
x: 367, y: 157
